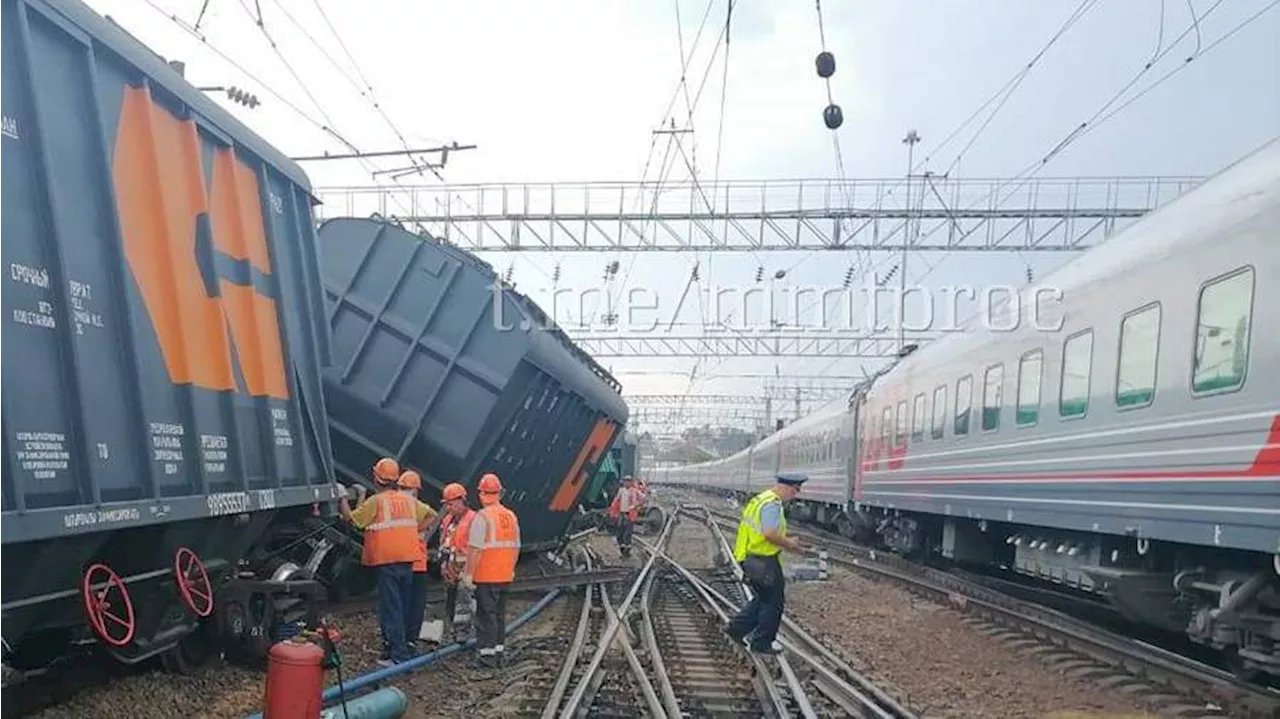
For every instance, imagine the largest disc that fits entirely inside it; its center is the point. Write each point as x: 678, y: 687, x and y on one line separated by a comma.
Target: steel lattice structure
x: 746, y: 345
x: 694, y: 400
x: 1044, y: 214
x: 693, y: 415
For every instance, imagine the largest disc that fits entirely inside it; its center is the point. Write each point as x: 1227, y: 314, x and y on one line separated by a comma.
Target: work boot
x: 770, y: 650
x: 733, y: 637
x: 486, y: 661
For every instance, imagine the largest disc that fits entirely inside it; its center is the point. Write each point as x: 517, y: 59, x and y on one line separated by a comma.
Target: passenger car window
x: 900, y: 437
x: 886, y: 421
x: 964, y: 402
x: 1029, y: 368
x: 1222, y: 332
x: 1077, y: 365
x: 992, y: 397
x: 1136, y: 369
x: 917, y: 418
x: 939, y: 410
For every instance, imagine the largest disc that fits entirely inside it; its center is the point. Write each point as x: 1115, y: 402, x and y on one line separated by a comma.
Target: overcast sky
x: 571, y: 90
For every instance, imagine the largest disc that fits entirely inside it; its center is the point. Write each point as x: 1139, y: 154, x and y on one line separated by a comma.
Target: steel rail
x: 770, y: 698
x: 656, y: 708
x: 669, y: 699
x: 1159, y: 666
x: 864, y: 685
x: 863, y: 694
x: 606, y: 639
x: 797, y: 689
x: 575, y: 649
x: 877, y: 695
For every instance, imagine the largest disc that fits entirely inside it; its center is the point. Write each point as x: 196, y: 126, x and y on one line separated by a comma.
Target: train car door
x: 854, y: 428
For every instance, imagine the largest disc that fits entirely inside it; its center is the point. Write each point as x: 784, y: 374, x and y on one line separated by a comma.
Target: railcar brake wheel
x: 99, y: 606
x: 193, y: 582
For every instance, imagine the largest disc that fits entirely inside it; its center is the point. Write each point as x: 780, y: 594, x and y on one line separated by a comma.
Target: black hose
x: 332, y: 647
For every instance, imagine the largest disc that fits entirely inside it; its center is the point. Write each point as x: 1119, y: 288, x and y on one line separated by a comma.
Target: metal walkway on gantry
x: 944, y: 214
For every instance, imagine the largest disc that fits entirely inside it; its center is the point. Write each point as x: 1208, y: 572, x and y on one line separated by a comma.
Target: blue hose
x: 378, y: 676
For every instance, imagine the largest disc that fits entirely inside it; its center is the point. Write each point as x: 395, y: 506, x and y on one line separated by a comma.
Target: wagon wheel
x: 193, y: 582
x: 107, y: 623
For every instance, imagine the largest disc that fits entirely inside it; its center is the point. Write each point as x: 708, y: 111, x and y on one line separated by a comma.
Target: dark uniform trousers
x: 395, y: 583
x: 763, y: 614
x: 491, y: 617
x: 417, y: 607
x: 626, y: 528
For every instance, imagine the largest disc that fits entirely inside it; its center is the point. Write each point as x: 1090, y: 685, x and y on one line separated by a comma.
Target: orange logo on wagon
x: 588, y: 458
x: 172, y: 225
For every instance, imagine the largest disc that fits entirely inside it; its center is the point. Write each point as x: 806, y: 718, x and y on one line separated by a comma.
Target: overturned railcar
x: 437, y: 364
x: 163, y: 336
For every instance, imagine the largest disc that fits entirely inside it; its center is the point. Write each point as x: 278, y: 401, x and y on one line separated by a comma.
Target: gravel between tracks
x: 922, y: 652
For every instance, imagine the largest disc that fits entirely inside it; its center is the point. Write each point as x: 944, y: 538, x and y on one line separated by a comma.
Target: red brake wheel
x: 100, y: 605
x: 193, y: 582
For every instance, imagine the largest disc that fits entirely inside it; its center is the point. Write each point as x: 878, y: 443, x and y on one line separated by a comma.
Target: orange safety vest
x: 453, y: 535
x: 615, y: 508
x: 392, y: 536
x: 420, y: 564
x: 501, y: 549
x: 453, y: 543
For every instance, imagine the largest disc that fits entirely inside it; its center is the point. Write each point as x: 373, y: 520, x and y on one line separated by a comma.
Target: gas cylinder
x: 295, y: 680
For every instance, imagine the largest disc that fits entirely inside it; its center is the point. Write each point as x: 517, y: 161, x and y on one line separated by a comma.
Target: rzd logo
x: 199, y: 255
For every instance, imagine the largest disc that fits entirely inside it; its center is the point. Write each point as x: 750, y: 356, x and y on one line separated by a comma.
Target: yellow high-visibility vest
x: 751, y: 539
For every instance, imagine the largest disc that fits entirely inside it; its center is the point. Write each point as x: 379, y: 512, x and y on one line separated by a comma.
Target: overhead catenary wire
x: 682, y: 86
x: 673, y: 139
x: 364, y: 87
x: 863, y: 262
x: 265, y: 87
x: 1099, y: 118
x: 367, y: 92
x: 364, y: 162
x: 1005, y: 92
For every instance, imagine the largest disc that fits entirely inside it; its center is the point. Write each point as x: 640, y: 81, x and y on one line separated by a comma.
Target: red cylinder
x: 295, y: 681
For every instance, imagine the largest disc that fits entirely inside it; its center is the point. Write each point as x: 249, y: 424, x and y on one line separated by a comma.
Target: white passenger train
x: 1132, y: 453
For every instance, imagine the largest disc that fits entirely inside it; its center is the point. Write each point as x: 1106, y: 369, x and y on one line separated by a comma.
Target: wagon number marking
x: 228, y: 503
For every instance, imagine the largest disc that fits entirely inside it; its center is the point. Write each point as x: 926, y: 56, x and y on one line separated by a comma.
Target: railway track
x: 703, y: 677
x: 1177, y: 685
x: 662, y: 652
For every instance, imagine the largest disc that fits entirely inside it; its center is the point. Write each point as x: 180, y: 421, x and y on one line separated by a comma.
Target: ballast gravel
x: 926, y: 655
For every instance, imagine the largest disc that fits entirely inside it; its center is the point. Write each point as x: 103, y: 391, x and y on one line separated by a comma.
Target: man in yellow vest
x: 391, y: 522
x: 762, y: 535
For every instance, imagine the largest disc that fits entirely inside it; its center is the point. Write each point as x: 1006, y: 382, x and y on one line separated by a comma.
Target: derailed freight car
x: 163, y: 340
x: 438, y: 365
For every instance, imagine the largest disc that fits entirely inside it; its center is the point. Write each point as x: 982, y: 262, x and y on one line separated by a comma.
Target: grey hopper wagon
x: 437, y: 364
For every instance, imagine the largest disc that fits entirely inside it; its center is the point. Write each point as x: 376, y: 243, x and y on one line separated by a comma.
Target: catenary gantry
x: 1031, y: 214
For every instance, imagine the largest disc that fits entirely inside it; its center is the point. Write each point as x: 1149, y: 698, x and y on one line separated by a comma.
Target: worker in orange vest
x: 391, y: 522
x: 493, y: 544
x: 454, y: 528
x: 411, y: 484
x: 625, y: 510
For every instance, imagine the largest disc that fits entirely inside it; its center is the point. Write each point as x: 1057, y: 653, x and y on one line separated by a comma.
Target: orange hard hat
x: 386, y: 470
x: 410, y: 480
x: 490, y: 484
x: 453, y: 491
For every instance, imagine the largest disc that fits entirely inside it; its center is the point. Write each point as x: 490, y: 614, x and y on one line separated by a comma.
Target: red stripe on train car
x: 1265, y: 467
